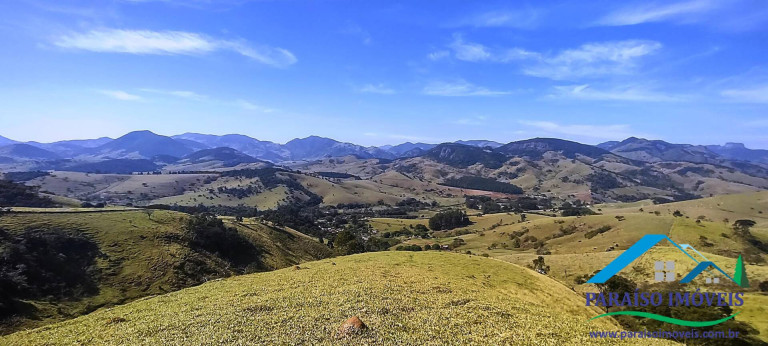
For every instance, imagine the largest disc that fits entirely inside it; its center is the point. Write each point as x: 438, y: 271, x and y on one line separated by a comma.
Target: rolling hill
x: 536, y: 147
x: 228, y: 157
x: 119, y: 256
x: 27, y: 152
x: 72, y: 148
x: 462, y: 156
x: 6, y: 141
x: 264, y: 150
x: 314, y: 147
x: 427, y: 298
x: 737, y: 151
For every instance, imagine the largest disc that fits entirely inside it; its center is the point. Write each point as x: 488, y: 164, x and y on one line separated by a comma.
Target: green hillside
x: 124, y: 255
x: 576, y: 246
x: 426, y: 298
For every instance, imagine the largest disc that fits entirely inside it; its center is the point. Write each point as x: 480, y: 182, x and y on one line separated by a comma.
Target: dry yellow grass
x: 404, y: 298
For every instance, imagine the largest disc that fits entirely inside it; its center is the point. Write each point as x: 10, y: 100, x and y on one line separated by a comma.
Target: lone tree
x: 149, y: 213
x: 743, y: 225
x: 539, y: 265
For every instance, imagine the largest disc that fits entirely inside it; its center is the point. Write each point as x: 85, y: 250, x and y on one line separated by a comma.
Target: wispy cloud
x: 520, y: 18
x: 146, y: 94
x: 625, y: 93
x: 588, y: 60
x: 593, y: 59
x: 249, y: 106
x: 474, y: 121
x: 148, y: 42
x: 469, y: 51
x: 757, y: 94
x: 685, y: 11
x: 178, y: 93
x: 438, y: 55
x: 460, y: 88
x: 608, y: 132
x: 197, y: 4
x: 121, y: 95
x: 376, y: 89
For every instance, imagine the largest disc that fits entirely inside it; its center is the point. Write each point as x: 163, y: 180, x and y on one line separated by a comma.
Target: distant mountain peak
x: 480, y: 143
x: 733, y: 145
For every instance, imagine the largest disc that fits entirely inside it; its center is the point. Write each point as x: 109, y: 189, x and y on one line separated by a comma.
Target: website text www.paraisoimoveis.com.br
x: 679, y: 335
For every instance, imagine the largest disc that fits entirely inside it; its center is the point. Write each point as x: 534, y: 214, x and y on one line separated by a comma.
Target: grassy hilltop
x: 404, y: 298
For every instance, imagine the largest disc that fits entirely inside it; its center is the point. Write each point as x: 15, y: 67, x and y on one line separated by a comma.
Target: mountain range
x: 195, y: 148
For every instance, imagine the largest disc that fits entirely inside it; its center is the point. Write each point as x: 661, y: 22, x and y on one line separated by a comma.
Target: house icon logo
x: 664, y: 271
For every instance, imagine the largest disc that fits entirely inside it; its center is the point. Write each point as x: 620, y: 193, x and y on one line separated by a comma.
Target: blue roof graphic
x: 642, y: 246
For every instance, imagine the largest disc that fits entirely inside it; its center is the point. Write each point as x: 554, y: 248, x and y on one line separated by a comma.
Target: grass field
x: 120, y: 186
x: 427, y: 298
x: 574, y: 254
x: 142, y: 255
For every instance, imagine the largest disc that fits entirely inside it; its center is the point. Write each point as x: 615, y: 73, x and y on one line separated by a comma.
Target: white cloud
x: 752, y: 95
x: 645, y: 13
x: 441, y: 54
x: 521, y: 19
x: 469, y: 51
x: 588, y: 60
x: 610, y: 132
x: 188, y: 95
x: 178, y: 93
x: 459, y: 88
x: 626, y: 93
x: 593, y: 59
x: 169, y: 43
x: 376, y: 89
x: 252, y: 107
x: 121, y: 95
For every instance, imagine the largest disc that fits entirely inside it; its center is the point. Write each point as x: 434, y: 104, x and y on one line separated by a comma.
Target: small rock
x: 352, y: 326
x: 115, y: 320
x: 296, y: 267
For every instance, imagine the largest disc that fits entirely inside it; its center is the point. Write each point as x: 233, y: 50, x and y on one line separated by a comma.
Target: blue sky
x: 385, y: 72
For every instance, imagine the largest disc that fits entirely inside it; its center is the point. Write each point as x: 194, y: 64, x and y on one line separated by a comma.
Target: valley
x: 458, y: 228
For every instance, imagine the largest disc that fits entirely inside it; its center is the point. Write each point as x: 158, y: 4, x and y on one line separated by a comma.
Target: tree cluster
x: 20, y: 195
x: 448, y: 219
x: 485, y: 184
x: 39, y: 264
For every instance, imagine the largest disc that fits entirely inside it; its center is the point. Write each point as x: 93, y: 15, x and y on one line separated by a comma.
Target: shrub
x: 408, y: 248
x: 602, y: 229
